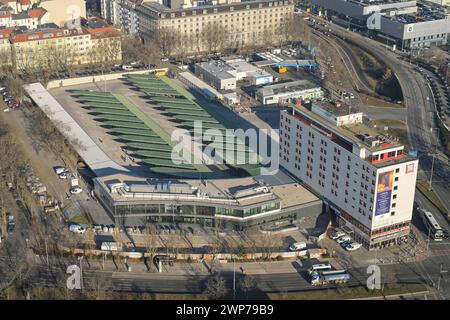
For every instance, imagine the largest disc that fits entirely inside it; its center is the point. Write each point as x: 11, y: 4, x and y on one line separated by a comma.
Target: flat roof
x: 92, y: 154
x: 353, y: 132
x: 286, y: 87
x: 218, y: 68
x: 237, y: 191
x: 200, y: 84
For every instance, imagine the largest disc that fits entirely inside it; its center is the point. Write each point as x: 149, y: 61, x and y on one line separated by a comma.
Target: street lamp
x: 441, y: 272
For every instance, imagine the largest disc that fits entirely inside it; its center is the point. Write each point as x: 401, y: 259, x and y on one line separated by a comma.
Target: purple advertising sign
x: 384, y: 191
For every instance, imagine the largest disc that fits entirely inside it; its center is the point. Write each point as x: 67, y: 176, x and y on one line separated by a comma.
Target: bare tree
x: 246, y: 285
x: 151, y: 242
x: 98, y: 287
x: 167, y: 40
x: 216, y: 287
x: 214, y: 37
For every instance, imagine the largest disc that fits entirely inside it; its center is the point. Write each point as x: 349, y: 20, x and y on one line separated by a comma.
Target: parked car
x: 297, y: 246
x: 352, y: 246
x: 337, y: 234
x: 343, y: 239
x: 63, y: 175
x: 11, y: 227
x: 345, y: 244
x: 76, y: 228
x: 75, y: 190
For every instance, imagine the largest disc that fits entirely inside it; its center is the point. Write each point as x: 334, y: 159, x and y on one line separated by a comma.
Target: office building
x: 367, y: 180
x: 407, y: 24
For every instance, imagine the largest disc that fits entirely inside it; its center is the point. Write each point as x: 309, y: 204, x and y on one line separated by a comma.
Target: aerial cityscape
x: 224, y: 150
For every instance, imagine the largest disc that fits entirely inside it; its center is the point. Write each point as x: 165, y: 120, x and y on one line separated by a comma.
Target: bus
x: 434, y: 229
x: 319, y: 267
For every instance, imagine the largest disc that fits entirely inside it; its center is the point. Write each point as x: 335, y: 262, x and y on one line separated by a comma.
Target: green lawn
x: 430, y: 195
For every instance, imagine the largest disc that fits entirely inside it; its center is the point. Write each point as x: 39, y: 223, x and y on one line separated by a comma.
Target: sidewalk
x: 196, y: 268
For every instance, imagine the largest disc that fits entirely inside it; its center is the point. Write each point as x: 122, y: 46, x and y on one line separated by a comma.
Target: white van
x: 297, y: 246
x: 76, y: 228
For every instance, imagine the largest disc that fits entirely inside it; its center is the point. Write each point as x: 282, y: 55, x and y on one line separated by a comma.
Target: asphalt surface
x: 426, y: 272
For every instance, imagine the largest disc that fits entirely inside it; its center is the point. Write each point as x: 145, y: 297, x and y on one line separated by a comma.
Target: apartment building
x: 367, y: 181
x: 214, y: 27
x: 30, y: 19
x: 50, y: 47
x: 122, y: 13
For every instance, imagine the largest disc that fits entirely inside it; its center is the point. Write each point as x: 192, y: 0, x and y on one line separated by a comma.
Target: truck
x: 110, y: 246
x: 329, y: 277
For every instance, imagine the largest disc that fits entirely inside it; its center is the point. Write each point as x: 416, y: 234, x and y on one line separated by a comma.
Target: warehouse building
x: 217, y: 73
x: 200, y: 86
x: 286, y: 91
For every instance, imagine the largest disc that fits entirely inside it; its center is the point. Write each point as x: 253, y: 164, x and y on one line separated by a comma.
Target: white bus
x: 320, y: 267
x: 433, y: 227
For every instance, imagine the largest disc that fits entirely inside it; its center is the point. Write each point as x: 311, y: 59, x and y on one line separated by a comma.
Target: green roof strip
x: 172, y: 100
x: 137, y: 132
x: 92, y: 94
x: 201, y: 118
x: 97, y: 99
x: 94, y: 105
x: 174, y: 171
x: 149, y: 146
x: 111, y: 117
x: 178, y: 106
x: 120, y: 124
x: 124, y: 112
x: 205, y: 125
x: 154, y: 154
x: 166, y: 163
x: 155, y: 140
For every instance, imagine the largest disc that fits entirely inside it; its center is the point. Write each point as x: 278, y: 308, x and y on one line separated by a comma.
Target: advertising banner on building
x: 384, y: 190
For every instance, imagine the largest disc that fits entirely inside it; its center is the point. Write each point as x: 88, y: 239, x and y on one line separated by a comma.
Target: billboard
x: 384, y: 191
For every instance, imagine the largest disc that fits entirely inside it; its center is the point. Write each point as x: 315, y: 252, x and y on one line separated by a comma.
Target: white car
x: 63, y: 175
x: 343, y: 239
x: 337, y: 234
x: 353, y: 246
x: 76, y: 190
